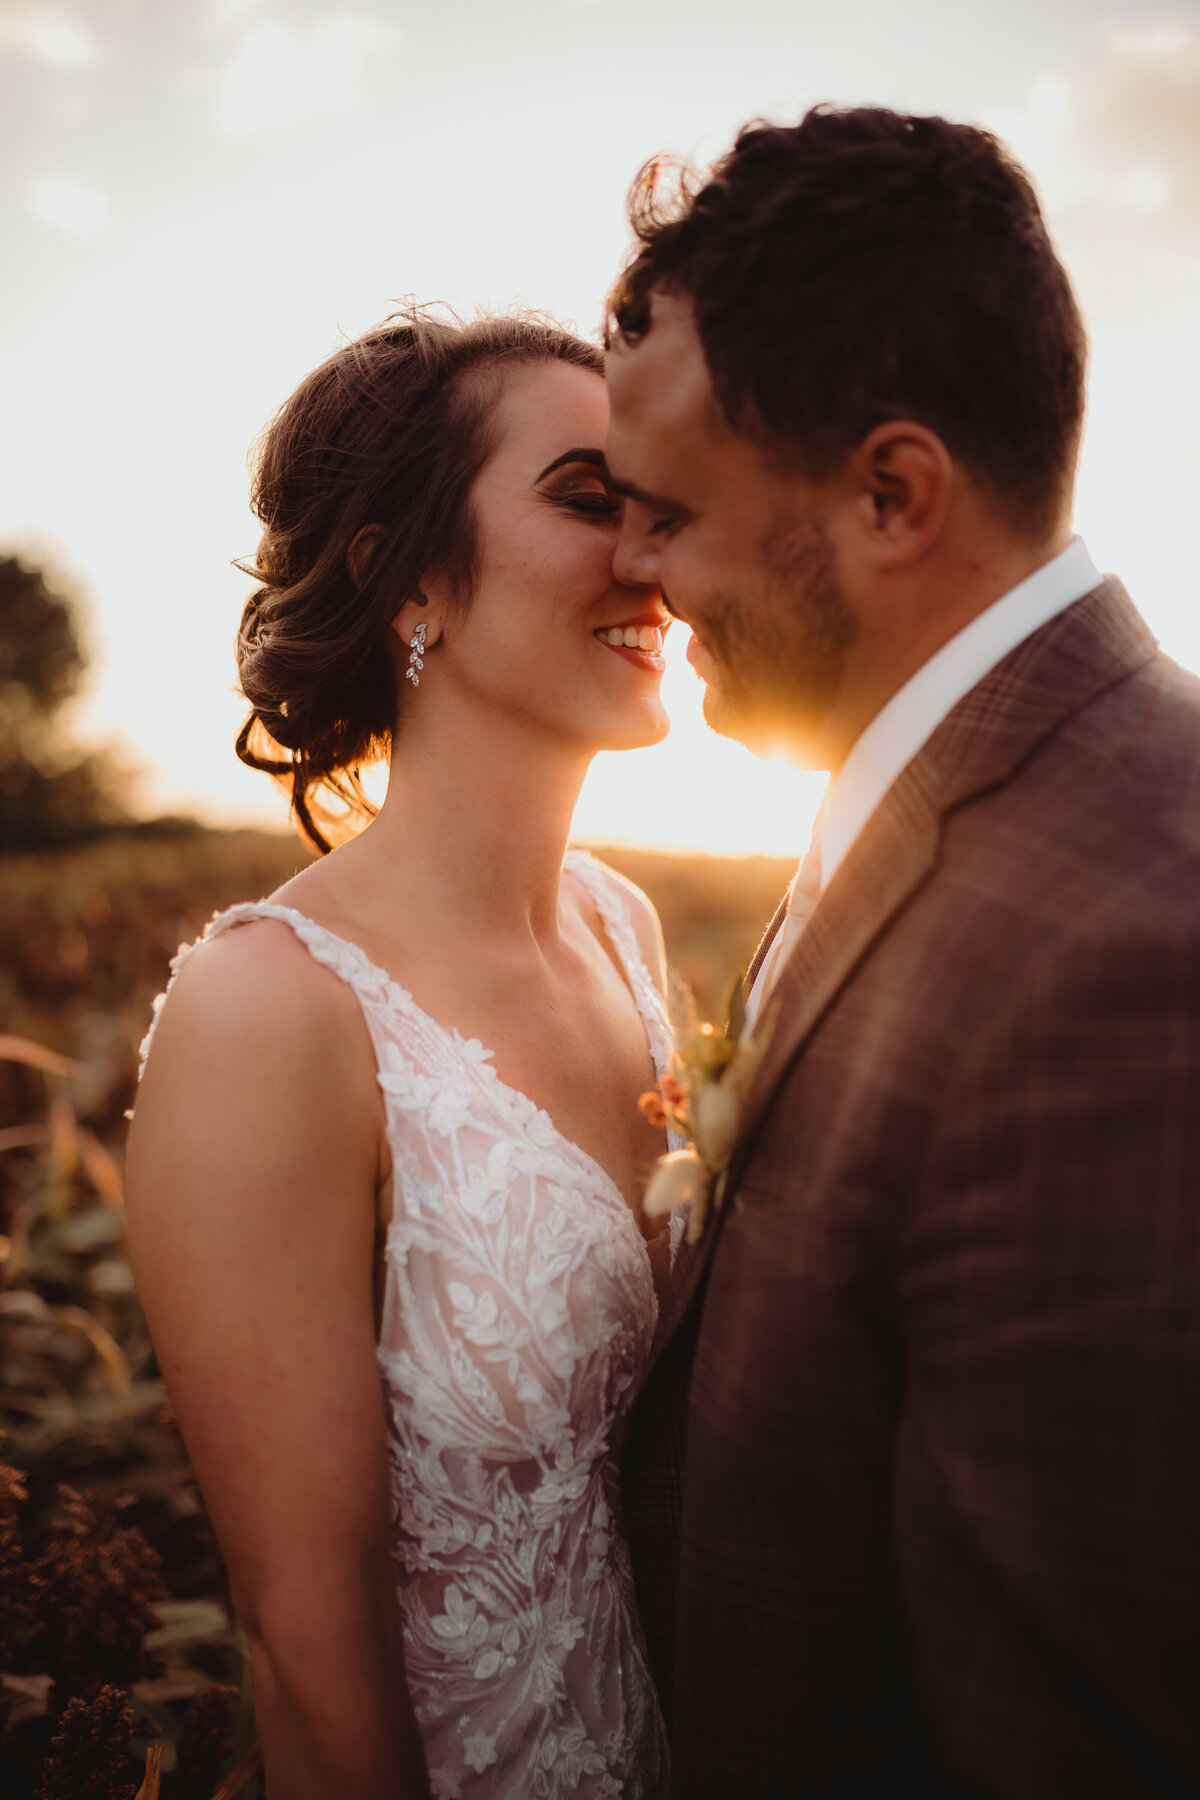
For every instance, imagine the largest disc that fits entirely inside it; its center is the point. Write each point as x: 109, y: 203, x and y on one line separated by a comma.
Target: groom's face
x: 743, y: 548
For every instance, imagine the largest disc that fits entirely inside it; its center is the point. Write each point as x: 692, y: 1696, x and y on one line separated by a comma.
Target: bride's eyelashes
x: 596, y: 506
x: 591, y: 502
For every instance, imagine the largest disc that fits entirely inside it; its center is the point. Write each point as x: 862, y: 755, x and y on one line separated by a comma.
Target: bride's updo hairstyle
x: 390, y: 432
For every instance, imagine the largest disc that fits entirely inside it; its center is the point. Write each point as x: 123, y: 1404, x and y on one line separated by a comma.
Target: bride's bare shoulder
x: 249, y: 993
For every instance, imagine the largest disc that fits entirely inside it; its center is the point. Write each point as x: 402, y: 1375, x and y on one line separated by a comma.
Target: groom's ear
x: 903, y: 477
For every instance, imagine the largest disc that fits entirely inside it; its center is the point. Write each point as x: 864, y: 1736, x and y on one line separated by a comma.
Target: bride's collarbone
x: 581, y: 1055
x: 577, y: 1034
x: 571, y: 1040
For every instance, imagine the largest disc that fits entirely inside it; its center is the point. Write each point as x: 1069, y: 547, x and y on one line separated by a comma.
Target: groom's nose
x: 636, y: 560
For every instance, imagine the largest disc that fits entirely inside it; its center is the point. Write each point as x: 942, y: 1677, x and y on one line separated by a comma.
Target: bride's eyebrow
x: 594, y: 457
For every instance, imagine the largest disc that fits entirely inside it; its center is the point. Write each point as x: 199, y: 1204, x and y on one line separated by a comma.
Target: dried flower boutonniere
x: 701, y: 1099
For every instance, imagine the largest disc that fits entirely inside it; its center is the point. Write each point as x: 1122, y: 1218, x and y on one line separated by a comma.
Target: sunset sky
x: 198, y: 196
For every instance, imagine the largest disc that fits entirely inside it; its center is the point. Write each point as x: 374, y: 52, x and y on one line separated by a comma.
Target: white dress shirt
x: 910, y: 718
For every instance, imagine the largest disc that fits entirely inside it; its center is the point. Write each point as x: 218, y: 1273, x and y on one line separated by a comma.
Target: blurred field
x: 117, y: 1644
x: 713, y: 910
x: 86, y: 934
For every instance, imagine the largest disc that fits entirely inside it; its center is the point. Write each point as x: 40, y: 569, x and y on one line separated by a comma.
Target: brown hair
x: 866, y: 265
x: 391, y: 431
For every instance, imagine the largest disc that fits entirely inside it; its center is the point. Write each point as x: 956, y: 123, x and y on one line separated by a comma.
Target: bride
x: 384, y: 1169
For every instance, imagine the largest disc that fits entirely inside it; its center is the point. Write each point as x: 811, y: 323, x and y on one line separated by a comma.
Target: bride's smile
x: 640, y: 640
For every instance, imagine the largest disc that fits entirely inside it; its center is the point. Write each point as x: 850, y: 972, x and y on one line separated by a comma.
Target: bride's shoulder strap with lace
x: 611, y: 896
x: 325, y: 947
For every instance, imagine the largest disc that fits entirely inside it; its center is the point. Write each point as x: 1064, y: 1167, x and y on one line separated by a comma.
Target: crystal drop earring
x: 416, y: 655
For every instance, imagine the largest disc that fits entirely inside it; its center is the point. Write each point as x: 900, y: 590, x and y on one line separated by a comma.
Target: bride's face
x: 538, y: 641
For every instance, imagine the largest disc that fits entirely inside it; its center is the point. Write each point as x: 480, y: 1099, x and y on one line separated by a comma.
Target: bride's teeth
x: 647, y: 638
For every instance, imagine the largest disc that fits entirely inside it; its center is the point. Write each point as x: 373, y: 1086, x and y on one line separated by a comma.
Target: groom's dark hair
x: 867, y: 265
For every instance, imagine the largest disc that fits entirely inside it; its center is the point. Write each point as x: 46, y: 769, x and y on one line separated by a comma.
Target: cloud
x: 82, y: 212
x: 229, y: 12
x: 284, y: 74
x: 1115, y: 149
x: 52, y: 38
x: 1138, y: 119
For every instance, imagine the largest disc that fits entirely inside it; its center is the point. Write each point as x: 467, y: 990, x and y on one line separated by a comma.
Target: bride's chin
x: 624, y: 730
x: 641, y: 731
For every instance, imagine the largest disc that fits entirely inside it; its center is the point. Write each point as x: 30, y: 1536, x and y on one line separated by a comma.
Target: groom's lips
x: 700, y: 657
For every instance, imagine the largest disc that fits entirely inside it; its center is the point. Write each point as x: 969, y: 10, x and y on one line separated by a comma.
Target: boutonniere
x: 701, y: 1099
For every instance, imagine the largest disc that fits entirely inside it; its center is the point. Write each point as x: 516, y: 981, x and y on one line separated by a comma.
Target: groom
x: 914, y: 1484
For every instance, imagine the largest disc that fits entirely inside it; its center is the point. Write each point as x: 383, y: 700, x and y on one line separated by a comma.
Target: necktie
x: 803, y: 895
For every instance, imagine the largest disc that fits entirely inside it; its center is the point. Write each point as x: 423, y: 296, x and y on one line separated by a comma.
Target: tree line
x: 53, y: 790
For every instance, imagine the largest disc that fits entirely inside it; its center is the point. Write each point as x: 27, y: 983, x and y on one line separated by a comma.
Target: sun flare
x: 696, y: 790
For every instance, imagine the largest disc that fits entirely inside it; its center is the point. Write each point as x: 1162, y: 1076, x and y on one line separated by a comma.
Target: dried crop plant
x: 97, y: 1654
x: 89, y: 1752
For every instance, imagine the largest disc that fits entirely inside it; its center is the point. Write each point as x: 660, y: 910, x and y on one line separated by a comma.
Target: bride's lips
x: 638, y: 639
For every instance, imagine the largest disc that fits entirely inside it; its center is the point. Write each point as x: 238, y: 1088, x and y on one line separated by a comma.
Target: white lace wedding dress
x: 518, y: 1312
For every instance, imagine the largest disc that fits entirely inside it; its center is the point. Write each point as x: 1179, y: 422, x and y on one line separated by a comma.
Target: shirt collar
x: 912, y: 715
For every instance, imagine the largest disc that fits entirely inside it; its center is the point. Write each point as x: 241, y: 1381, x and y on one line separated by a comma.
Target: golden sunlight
x: 697, y: 791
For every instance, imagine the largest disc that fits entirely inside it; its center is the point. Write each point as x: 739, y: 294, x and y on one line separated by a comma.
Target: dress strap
x: 612, y: 903
x: 372, y: 986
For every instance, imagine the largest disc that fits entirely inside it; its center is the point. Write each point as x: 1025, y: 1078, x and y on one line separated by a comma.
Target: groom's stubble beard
x: 782, y: 670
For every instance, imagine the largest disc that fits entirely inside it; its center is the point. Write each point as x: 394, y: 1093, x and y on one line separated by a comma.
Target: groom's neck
x: 907, y: 620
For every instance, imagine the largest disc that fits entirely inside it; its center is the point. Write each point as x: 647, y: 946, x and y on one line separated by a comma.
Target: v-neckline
x: 472, y: 1050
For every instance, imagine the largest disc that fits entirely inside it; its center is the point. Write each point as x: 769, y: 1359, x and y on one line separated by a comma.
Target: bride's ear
x: 362, y: 547
x: 418, y: 611
x: 428, y: 606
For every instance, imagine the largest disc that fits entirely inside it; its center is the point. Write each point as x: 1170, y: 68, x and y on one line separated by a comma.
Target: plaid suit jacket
x: 913, y: 1485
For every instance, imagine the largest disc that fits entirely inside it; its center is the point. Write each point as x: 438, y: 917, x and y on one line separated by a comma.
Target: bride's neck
x: 479, y: 819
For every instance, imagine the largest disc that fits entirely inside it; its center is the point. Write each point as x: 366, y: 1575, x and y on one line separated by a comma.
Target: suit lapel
x: 982, y: 744
x: 893, y: 858
x: 764, y: 944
